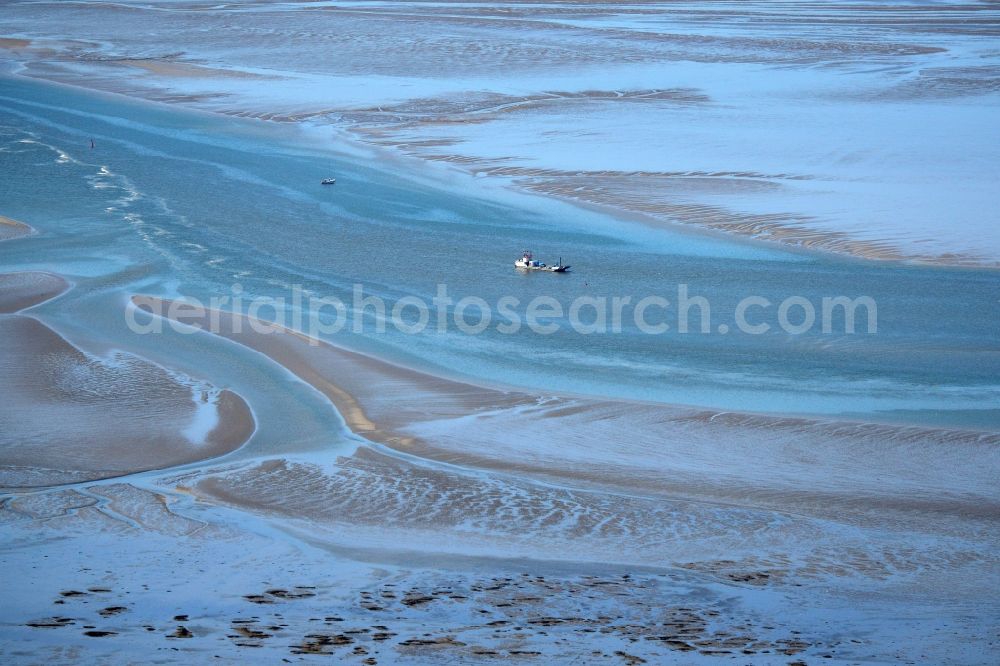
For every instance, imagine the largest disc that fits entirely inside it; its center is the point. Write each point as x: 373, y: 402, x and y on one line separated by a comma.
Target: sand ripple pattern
x: 432, y: 509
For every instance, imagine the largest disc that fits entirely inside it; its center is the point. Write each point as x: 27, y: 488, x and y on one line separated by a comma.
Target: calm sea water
x: 176, y: 203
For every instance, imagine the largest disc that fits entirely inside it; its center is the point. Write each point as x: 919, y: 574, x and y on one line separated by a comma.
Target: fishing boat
x: 529, y: 263
x: 328, y: 181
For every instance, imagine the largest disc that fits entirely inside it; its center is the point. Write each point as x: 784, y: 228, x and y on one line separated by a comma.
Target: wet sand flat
x: 909, y: 475
x: 170, y: 69
x: 10, y: 229
x: 820, y: 101
x: 279, y: 600
x: 456, y: 522
x: 59, y: 402
x: 22, y: 290
x: 775, y: 504
x: 11, y: 43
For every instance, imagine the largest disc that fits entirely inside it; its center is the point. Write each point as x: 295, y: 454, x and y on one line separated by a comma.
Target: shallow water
x: 172, y: 202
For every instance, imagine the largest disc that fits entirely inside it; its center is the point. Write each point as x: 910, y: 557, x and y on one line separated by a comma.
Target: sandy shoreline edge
x: 58, y: 402
x: 58, y: 434
x: 22, y: 290
x: 11, y: 229
x: 396, y: 406
x: 316, y: 362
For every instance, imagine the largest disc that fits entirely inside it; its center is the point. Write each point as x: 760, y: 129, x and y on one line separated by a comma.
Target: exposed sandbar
x: 10, y: 229
x: 830, y: 469
x: 68, y: 417
x: 12, y: 43
x: 374, y: 397
x: 24, y: 290
x: 174, y: 69
x: 647, y: 484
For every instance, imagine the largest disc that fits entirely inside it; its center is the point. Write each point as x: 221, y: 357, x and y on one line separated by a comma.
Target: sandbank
x: 26, y: 289
x: 871, y: 472
x: 68, y: 417
x: 10, y: 229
